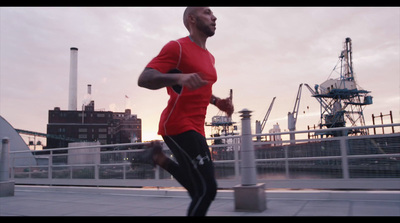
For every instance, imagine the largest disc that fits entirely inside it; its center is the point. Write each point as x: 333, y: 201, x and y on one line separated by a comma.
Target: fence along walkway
x: 344, y: 162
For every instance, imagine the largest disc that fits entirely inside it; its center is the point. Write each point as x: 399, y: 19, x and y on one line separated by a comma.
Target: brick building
x: 106, y: 127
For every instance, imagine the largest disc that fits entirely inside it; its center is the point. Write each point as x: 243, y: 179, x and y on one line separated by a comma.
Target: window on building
x: 82, y: 136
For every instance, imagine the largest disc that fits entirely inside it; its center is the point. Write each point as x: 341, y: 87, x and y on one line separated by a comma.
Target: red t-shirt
x: 186, y: 111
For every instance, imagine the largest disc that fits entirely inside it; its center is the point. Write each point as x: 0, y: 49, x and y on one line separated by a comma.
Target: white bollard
x: 248, y: 164
x: 249, y: 196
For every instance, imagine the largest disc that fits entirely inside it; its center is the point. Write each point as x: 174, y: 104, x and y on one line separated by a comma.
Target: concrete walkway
x: 91, y: 201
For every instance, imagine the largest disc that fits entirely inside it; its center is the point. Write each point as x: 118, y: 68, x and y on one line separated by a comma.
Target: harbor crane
x: 292, y: 116
x: 260, y: 125
x: 341, y: 99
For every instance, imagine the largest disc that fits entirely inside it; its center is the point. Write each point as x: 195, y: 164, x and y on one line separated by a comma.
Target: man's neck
x: 200, y: 40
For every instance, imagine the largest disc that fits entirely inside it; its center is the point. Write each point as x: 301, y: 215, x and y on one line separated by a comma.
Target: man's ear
x: 191, y: 19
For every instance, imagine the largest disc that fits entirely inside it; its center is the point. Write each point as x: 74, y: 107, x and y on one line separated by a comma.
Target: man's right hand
x: 192, y: 81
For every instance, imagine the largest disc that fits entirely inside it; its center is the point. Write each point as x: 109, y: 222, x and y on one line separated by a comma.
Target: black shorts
x: 194, y: 169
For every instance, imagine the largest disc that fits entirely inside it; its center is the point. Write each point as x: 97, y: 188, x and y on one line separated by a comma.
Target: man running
x: 186, y: 68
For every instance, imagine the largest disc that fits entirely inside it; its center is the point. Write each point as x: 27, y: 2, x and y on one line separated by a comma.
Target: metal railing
x: 342, y: 162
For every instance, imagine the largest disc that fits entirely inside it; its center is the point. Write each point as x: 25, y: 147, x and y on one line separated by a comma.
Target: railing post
x: 97, y: 162
x: 6, y: 186
x: 237, y: 163
x: 249, y: 196
x: 343, y: 153
x: 286, y: 152
x: 50, y: 166
x: 157, y: 173
x: 4, y: 160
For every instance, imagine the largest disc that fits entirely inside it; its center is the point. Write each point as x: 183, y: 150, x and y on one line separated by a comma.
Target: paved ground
x: 84, y: 201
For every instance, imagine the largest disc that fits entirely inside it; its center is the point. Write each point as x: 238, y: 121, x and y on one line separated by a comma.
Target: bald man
x: 186, y: 69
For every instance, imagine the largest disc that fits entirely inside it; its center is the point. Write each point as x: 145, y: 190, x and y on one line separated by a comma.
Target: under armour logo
x: 201, y: 159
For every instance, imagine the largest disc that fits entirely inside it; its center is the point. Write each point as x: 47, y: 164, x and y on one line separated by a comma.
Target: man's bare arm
x: 153, y: 79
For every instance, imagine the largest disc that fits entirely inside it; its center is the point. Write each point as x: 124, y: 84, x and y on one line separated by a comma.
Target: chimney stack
x: 89, y: 89
x: 73, y: 80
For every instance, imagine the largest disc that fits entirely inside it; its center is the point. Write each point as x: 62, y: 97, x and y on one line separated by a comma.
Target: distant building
x: 106, y: 127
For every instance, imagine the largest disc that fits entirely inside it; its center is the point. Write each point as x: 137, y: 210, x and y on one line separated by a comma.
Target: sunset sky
x: 261, y: 52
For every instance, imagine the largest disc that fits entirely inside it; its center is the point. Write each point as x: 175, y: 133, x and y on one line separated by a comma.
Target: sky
x: 261, y: 53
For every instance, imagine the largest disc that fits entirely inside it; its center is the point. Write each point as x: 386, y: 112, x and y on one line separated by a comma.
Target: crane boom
x: 260, y: 126
x: 320, y: 100
x: 292, y: 116
x: 267, y: 114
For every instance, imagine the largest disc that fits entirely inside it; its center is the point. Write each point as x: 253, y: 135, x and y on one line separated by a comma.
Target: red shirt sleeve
x: 167, y: 59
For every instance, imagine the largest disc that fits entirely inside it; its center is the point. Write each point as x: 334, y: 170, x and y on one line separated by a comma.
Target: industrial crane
x: 292, y: 116
x: 341, y: 99
x: 260, y: 125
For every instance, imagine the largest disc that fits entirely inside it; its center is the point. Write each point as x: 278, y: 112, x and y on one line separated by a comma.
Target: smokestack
x: 88, y: 96
x: 89, y: 89
x: 73, y: 80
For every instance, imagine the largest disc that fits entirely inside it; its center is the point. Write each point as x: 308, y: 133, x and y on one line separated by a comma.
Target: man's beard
x: 204, y: 28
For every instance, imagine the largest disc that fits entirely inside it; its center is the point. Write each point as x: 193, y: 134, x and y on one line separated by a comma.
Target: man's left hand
x: 225, y: 105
